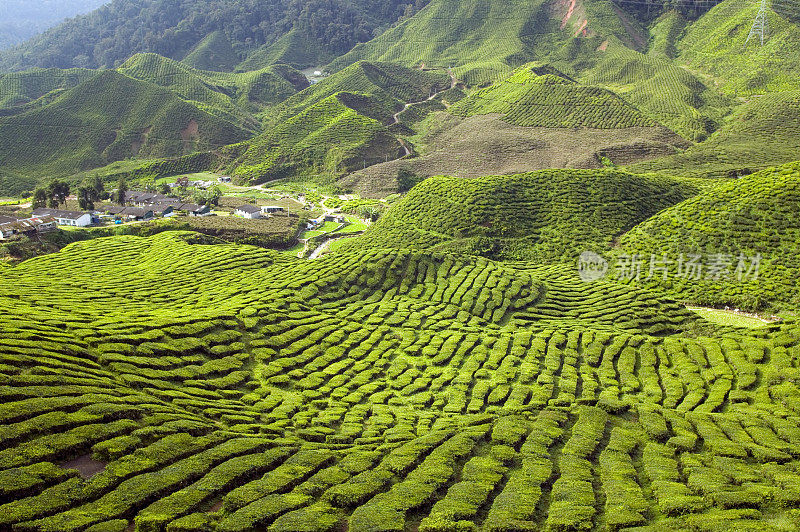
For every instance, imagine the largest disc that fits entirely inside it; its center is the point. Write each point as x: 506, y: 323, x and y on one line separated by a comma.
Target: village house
x: 272, y: 209
x: 193, y: 209
x: 224, y: 179
x: 69, y: 218
x: 248, y: 211
x: 28, y: 227
x: 338, y: 218
x: 129, y: 213
x: 162, y: 209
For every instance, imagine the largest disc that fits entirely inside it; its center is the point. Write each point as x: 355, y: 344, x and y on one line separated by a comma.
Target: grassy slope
x: 296, y: 48
x: 94, y: 118
x: 760, y: 133
x: 751, y: 215
x: 549, y: 100
x: 328, y: 138
x: 234, y: 97
x: 484, y: 41
x: 336, y: 125
x: 213, y: 53
x: 20, y: 88
x: 547, y: 215
x: 106, y: 118
x: 715, y: 45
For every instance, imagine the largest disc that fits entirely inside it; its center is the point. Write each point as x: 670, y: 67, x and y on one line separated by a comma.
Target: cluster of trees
x: 92, y: 190
x: 111, y: 34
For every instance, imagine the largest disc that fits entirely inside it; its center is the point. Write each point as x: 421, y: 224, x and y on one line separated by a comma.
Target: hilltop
x: 484, y: 41
x: 754, y: 215
x: 551, y: 215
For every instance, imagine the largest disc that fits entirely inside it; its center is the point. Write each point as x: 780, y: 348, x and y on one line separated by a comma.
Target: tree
x: 40, y: 198
x: 149, y: 184
x: 86, y: 198
x: 163, y: 188
x: 98, y: 187
x: 57, y: 192
x: 122, y: 190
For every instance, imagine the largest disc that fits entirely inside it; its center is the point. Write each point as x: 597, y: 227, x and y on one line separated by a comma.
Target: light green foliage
x: 373, y: 389
x: 552, y: 214
x: 715, y: 44
x: 535, y: 97
x: 748, y: 216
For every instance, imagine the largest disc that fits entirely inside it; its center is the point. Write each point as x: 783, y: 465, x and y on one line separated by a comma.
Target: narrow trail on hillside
x: 453, y: 83
x: 396, y: 116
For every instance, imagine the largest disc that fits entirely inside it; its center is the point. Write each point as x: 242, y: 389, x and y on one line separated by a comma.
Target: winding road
x: 453, y: 83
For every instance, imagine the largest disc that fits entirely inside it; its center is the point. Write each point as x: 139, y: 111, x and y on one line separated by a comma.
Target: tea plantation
x: 544, y: 216
x: 752, y: 216
x: 226, y: 387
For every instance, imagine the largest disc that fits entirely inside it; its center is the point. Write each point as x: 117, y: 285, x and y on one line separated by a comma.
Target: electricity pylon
x: 761, y: 25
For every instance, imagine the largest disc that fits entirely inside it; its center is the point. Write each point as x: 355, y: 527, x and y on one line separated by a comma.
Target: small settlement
x: 139, y: 206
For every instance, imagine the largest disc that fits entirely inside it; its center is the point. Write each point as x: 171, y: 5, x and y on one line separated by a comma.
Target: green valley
x: 402, y: 266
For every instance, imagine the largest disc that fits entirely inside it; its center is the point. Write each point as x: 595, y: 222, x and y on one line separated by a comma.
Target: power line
x: 760, y: 25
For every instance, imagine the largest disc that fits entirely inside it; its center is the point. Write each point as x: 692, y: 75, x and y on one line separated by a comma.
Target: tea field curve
x: 227, y: 387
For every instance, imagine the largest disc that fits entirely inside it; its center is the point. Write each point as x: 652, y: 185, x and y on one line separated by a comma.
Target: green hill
x: 226, y: 387
x: 18, y: 89
x: 234, y: 97
x: 390, y: 84
x: 326, y: 131
x: 296, y: 48
x: 542, y: 216
x: 109, y: 117
x: 532, y: 99
x: 748, y: 216
x: 328, y: 138
x: 214, y: 53
x: 762, y: 132
x: 715, y: 45
x: 484, y: 41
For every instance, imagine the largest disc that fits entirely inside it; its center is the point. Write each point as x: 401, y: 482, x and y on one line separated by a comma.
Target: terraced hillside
x: 539, y: 96
x: 484, y: 41
x: 337, y: 125
x: 751, y: 216
x: 59, y: 122
x: 230, y: 388
x: 543, y: 216
x: 759, y: 133
x: 536, y: 118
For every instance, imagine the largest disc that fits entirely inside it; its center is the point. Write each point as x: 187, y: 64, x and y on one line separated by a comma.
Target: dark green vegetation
x: 542, y: 216
x: 110, y: 35
x: 753, y: 215
x: 62, y: 122
x: 226, y: 387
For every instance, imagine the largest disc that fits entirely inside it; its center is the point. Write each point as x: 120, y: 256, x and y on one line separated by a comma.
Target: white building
x: 272, y: 209
x: 248, y: 211
x: 73, y: 218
